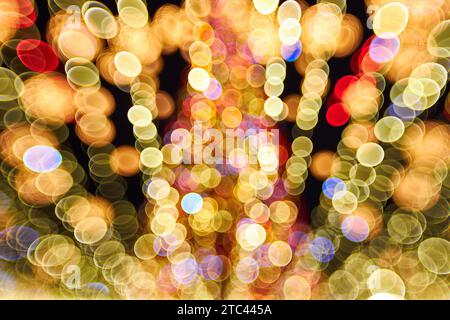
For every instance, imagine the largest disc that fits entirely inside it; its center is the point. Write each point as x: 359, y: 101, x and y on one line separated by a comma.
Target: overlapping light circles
x: 237, y: 224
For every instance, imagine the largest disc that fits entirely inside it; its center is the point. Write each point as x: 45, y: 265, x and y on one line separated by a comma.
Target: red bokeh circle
x: 27, y: 13
x: 37, y: 55
x: 337, y: 115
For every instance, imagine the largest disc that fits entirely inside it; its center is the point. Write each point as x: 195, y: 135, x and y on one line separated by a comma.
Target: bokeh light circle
x: 42, y: 158
x: 192, y: 203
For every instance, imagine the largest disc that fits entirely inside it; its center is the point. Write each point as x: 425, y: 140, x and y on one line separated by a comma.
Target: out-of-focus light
x: 42, y: 159
x: 192, y: 203
x: 331, y: 186
x: 355, y: 228
x: 291, y: 53
x: 322, y: 249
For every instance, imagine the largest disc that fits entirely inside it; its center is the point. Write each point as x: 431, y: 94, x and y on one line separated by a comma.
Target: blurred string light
x: 236, y: 229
